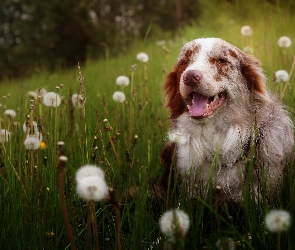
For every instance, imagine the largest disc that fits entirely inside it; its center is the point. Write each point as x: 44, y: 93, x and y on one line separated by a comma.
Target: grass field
x: 127, y: 147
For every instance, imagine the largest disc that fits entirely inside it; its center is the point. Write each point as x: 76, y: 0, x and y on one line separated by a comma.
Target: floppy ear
x: 174, y: 100
x: 252, y: 71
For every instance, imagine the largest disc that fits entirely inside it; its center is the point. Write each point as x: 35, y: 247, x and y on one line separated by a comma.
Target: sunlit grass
x: 125, y: 140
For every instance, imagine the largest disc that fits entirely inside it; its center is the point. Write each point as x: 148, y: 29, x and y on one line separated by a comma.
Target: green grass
x: 31, y: 215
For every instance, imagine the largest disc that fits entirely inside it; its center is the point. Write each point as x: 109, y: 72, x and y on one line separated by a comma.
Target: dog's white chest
x: 199, y: 146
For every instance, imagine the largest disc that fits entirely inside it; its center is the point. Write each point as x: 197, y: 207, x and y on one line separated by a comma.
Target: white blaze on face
x: 200, y: 61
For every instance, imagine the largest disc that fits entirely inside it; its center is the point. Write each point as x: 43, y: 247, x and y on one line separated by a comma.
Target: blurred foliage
x: 37, y: 35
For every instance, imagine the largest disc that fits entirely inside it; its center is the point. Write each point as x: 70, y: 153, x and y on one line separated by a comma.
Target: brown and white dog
x: 220, y: 109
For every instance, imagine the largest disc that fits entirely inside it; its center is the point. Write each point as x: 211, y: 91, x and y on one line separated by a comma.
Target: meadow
x: 125, y: 139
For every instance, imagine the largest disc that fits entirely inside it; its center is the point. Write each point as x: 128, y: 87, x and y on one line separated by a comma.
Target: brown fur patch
x: 222, y: 69
x: 252, y: 72
x: 171, y: 85
x: 194, y: 50
x: 233, y: 54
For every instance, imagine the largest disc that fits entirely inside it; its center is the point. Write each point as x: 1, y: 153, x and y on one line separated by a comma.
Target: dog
x: 223, y: 117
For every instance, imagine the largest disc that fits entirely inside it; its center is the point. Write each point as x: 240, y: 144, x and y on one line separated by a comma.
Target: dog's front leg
x: 229, y: 182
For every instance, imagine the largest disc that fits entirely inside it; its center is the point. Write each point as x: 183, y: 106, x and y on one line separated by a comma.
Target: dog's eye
x: 221, y: 60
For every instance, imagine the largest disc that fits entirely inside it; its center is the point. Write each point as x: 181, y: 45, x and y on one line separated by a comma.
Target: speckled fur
x: 249, y: 115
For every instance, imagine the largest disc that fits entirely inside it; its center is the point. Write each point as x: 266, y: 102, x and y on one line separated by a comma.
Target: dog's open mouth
x: 201, y: 106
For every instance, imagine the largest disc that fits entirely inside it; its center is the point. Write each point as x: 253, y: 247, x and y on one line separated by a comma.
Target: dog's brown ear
x: 252, y: 71
x: 174, y: 100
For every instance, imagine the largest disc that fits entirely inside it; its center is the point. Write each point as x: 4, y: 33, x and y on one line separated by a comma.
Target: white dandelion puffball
x: 38, y: 135
x: 278, y: 220
x: 246, y: 30
x: 32, y: 94
x: 168, y: 225
x: 248, y: 50
x: 225, y: 244
x: 10, y: 112
x: 119, y: 96
x: 93, y: 188
x: 4, y: 135
x: 142, y: 57
x: 122, y: 81
x: 41, y: 91
x: 78, y: 100
x: 51, y: 99
x: 27, y: 127
x: 32, y: 142
x: 89, y: 171
x: 281, y: 76
x: 284, y: 42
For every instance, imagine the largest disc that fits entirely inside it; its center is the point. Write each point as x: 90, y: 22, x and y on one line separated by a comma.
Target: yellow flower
x: 49, y: 234
x: 42, y: 145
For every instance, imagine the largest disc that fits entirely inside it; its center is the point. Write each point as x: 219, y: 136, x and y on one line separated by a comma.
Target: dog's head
x: 209, y: 74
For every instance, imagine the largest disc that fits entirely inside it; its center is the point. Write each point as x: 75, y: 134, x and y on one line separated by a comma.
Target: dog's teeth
x: 215, y: 98
x: 187, y: 106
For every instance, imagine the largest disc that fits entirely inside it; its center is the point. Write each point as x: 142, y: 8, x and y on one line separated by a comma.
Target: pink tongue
x: 199, y: 105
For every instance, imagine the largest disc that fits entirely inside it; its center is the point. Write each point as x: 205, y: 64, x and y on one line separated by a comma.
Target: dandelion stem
x: 94, y: 225
x: 88, y: 244
x: 116, y: 206
x: 118, y: 219
x: 279, y: 241
x: 169, y: 179
x: 287, y: 82
x: 131, y: 110
x: 61, y: 184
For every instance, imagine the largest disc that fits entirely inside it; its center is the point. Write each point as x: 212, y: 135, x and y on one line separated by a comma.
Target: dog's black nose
x: 192, y: 77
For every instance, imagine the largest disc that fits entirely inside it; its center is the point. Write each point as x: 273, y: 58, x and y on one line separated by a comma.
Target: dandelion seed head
x: 38, y: 135
x: 60, y: 143
x: 278, y: 220
x: 32, y: 142
x: 41, y: 91
x: 161, y: 43
x: 168, y: 225
x: 142, y: 57
x: 51, y: 99
x: 27, y: 127
x: 92, y: 188
x: 63, y: 158
x: 4, y: 135
x: 88, y: 171
x: 32, y: 94
x: 246, y: 30
x: 248, y: 50
x: 284, y: 42
x: 119, y: 96
x: 122, y: 81
x: 78, y: 100
x: 225, y: 244
x: 281, y: 76
x: 10, y: 112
